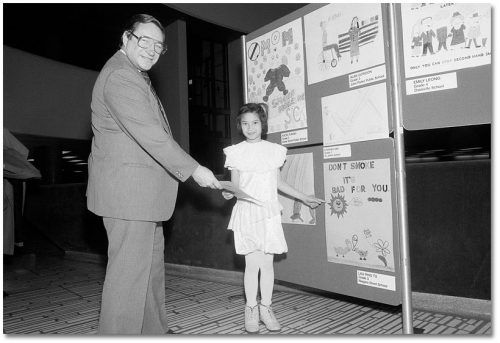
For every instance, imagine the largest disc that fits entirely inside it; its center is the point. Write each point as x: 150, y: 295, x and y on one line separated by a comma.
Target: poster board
x: 350, y: 245
x: 304, y: 64
x: 323, y: 70
x: 447, y: 71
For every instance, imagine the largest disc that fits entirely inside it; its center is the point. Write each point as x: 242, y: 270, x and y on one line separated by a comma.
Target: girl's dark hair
x: 137, y: 19
x: 260, y: 109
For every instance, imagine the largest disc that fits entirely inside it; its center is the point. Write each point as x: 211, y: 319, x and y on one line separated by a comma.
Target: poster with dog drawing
x: 275, y: 76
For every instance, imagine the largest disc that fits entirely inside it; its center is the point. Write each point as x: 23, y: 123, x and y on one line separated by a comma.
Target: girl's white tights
x: 254, y: 262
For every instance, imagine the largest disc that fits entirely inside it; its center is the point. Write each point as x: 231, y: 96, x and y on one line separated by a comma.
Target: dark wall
x: 60, y: 213
x: 46, y: 98
x: 242, y: 17
x: 197, y: 233
x: 449, y: 214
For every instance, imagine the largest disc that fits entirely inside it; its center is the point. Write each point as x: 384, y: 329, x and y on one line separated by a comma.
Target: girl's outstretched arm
x: 310, y: 201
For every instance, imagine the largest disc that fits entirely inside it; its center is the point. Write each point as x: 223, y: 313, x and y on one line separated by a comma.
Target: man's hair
x: 137, y: 19
x: 260, y: 109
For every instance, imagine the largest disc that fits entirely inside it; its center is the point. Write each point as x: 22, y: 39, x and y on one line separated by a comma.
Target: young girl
x: 258, y: 234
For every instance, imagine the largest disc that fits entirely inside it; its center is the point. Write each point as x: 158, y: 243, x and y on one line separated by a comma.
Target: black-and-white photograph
x: 302, y: 170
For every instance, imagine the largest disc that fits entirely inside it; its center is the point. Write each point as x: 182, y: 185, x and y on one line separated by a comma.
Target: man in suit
x: 134, y: 169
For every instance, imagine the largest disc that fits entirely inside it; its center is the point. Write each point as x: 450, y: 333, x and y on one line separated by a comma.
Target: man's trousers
x: 133, y: 296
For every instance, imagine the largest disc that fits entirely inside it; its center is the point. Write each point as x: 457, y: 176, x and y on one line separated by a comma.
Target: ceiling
x: 86, y: 34
x: 243, y: 17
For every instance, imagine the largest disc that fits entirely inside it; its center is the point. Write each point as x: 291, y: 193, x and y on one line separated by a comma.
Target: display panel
x: 447, y: 73
x: 289, y: 48
x: 351, y: 247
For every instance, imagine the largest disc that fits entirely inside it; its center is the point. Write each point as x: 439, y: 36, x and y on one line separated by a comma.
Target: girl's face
x: 251, y: 127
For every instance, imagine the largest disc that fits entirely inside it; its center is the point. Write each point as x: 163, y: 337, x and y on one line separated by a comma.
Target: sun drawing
x: 338, y: 205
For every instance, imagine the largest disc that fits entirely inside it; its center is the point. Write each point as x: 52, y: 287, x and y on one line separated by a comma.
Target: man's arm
x: 128, y: 102
x: 205, y: 178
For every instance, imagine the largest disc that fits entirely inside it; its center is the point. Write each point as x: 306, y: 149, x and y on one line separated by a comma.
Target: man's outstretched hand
x: 205, y: 178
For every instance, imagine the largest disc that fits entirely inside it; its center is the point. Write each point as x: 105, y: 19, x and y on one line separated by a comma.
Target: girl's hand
x: 227, y: 195
x: 312, y: 202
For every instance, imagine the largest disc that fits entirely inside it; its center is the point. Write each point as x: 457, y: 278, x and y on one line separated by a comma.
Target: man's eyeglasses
x: 146, y: 42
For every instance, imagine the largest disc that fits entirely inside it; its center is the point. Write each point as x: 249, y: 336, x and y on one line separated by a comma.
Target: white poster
x: 445, y: 36
x: 357, y: 115
x: 275, y: 68
x: 343, y: 38
x: 358, y: 213
x: 298, y: 172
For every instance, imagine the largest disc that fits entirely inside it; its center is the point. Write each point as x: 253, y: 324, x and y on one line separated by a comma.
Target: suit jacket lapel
x: 163, y: 116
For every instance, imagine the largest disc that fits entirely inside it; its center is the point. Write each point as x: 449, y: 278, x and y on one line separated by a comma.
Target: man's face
x: 142, y: 58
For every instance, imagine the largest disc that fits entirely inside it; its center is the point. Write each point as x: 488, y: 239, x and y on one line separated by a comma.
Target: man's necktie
x: 148, y: 81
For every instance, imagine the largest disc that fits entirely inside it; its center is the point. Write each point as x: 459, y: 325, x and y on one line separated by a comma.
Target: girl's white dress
x: 257, y: 227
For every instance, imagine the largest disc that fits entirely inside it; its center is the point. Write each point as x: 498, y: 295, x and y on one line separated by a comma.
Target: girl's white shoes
x: 268, y: 318
x: 252, y: 319
x: 263, y: 313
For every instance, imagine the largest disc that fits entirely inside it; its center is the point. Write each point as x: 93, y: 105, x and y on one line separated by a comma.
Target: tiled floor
x: 50, y: 295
